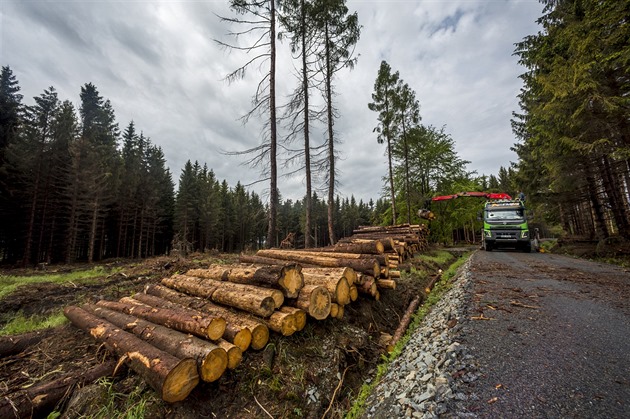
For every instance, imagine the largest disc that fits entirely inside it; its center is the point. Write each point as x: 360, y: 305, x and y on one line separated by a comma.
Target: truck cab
x: 505, y: 225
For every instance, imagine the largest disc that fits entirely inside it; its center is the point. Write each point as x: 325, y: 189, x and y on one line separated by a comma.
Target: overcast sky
x: 158, y: 64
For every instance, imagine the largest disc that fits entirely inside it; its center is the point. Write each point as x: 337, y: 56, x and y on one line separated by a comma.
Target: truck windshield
x: 511, y: 214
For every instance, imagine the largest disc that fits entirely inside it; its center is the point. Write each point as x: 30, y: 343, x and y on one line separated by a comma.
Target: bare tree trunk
x: 308, y: 202
x: 273, y: 193
x: 391, y: 179
x: 93, y: 232
x: 331, y: 141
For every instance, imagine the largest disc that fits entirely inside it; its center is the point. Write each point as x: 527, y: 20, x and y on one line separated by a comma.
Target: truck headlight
x: 524, y: 234
x: 487, y: 233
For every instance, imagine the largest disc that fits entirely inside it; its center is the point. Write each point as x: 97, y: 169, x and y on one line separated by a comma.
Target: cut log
x: 394, y: 274
x: 404, y: 322
x: 172, y: 378
x: 388, y: 284
x: 387, y: 243
x: 368, y: 287
x: 300, y: 316
x: 238, y: 321
x: 277, y: 253
x: 315, y: 300
x: 354, y: 293
x: 41, y: 399
x: 336, y: 286
x: 346, y: 272
x: 15, y: 344
x: 369, y: 266
x: 287, y: 278
x: 185, y: 321
x: 384, y: 272
x: 252, y: 299
x: 334, y: 309
x: 432, y: 282
x: 340, y: 312
x: 282, y: 322
x: 371, y: 246
x: 234, y: 353
x: 211, y: 360
x: 240, y: 336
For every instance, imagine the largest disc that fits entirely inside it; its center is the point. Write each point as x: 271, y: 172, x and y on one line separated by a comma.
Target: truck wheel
x: 527, y: 248
x: 487, y: 247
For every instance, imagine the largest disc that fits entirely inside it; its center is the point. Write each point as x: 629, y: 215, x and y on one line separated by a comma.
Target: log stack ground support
x: 222, y: 311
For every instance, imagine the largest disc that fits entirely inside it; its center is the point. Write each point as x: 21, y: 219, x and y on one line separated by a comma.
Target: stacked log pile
x: 194, y: 326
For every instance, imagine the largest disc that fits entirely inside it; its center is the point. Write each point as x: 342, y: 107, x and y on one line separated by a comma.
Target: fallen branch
x: 41, y: 399
x: 404, y: 323
x: 332, y: 399
x: 482, y: 317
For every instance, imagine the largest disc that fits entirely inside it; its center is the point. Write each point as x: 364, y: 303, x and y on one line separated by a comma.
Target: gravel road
x: 519, y: 335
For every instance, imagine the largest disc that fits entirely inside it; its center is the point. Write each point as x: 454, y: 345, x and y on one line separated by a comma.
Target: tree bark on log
x: 404, y: 322
x: 300, y: 316
x: 41, y: 399
x: 258, y: 300
x: 172, y: 378
x: 315, y: 300
x: 432, y: 282
x: 337, y: 286
x: 373, y: 247
x: 368, y: 266
x: 234, y: 353
x: 382, y: 259
x: 368, y: 287
x: 282, y: 322
x: 15, y: 344
x: 388, y: 243
x: 183, y: 320
x: 240, y: 320
x: 346, y: 272
x: 389, y: 284
x: 287, y: 278
x: 211, y: 360
x: 240, y: 336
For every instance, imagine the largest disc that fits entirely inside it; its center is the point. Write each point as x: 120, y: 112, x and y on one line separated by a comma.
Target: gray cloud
x: 159, y: 65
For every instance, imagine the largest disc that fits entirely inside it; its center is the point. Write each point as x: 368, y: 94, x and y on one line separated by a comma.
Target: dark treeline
x: 574, y: 125
x: 75, y: 188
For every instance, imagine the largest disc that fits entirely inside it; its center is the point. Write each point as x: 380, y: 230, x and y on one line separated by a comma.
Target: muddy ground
x: 317, y: 370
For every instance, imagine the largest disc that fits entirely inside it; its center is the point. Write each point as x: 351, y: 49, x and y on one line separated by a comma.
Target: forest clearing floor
x: 319, y: 369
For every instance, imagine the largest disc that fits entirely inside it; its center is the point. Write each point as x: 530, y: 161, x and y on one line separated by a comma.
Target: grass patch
x: 21, y: 324
x: 9, y: 283
x: 136, y: 404
x: 441, y: 287
x: 438, y: 257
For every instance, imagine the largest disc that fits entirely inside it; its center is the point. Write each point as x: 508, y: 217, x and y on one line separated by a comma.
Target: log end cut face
x: 319, y: 307
x: 216, y: 328
x: 292, y: 281
x: 260, y: 336
x: 180, y: 381
x: 214, y: 365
